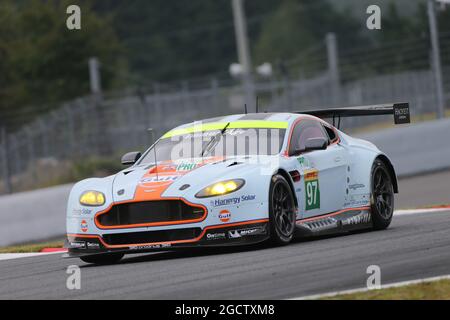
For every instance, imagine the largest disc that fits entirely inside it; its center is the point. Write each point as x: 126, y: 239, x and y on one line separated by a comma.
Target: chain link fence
x: 117, y: 123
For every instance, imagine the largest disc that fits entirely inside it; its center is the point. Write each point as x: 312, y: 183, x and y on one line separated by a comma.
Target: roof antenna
x: 257, y: 104
x: 245, y: 108
x: 154, y: 152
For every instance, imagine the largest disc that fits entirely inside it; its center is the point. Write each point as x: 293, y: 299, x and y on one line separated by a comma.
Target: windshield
x: 217, y: 143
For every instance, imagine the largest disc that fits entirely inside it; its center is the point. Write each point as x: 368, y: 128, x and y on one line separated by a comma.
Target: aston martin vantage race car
x: 238, y: 179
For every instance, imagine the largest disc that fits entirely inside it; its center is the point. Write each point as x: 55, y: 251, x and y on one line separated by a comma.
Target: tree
x: 43, y: 63
x: 297, y: 29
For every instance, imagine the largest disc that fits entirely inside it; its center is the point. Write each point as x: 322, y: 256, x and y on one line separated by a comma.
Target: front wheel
x: 281, y: 211
x: 382, y: 196
x: 107, y: 258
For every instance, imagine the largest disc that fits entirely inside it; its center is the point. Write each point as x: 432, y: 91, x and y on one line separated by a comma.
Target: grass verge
x: 434, y: 290
x: 32, y: 247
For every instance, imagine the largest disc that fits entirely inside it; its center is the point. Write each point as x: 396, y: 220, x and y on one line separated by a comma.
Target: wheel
x: 281, y: 211
x: 107, y: 258
x: 382, y: 196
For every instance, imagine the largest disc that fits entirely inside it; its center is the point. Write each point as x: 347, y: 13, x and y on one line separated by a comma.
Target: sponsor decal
x: 312, y: 189
x: 239, y: 233
x: 304, y: 162
x: 401, y: 113
x: 356, y: 186
x: 358, y: 200
x: 186, y: 166
x: 160, y: 179
x: 77, y: 244
x: 80, y: 212
x: 169, y: 167
x: 93, y: 245
x: 225, y: 215
x: 84, y: 226
x: 232, y: 201
x: 216, y: 236
x: 151, y: 246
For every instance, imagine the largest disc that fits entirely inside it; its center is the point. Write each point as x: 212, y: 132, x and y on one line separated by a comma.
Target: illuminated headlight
x: 220, y: 188
x: 92, y: 198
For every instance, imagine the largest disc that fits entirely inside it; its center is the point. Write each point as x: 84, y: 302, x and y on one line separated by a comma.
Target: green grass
x: 435, y: 290
x: 32, y: 247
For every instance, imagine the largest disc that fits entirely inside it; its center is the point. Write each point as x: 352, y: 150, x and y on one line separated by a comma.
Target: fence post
x: 31, y: 154
x: 333, y: 67
x: 436, y: 58
x: 70, y: 129
x: 5, y: 161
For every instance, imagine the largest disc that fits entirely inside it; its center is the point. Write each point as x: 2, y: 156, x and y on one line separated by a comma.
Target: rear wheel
x: 107, y: 258
x: 382, y: 196
x: 281, y: 211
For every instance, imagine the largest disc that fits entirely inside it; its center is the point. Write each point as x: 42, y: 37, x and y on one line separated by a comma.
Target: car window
x: 331, y: 133
x: 304, y: 130
x: 233, y: 142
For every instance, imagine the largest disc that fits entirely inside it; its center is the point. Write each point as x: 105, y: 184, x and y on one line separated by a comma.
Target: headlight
x: 92, y: 198
x: 220, y: 188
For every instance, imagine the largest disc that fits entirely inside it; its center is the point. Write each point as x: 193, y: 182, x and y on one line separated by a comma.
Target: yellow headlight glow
x: 221, y: 188
x: 92, y: 198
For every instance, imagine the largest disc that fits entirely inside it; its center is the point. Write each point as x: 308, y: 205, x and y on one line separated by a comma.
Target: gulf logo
x: 84, y: 226
x: 225, y: 215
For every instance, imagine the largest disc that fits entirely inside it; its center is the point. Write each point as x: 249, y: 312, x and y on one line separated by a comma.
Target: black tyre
x: 107, y: 258
x: 382, y: 196
x: 282, y: 216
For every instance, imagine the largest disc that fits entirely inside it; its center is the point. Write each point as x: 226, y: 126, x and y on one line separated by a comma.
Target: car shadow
x: 185, y: 253
x: 211, y: 251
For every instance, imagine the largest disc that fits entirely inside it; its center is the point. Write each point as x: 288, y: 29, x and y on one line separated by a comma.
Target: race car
x: 235, y: 180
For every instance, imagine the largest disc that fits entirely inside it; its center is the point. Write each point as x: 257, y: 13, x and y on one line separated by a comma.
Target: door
x: 323, y: 172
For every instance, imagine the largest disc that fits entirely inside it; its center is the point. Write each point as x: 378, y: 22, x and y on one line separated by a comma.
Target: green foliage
x: 139, y: 42
x: 42, y: 62
x: 299, y: 25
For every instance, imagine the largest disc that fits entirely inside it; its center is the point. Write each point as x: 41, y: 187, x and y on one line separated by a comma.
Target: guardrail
x: 40, y: 214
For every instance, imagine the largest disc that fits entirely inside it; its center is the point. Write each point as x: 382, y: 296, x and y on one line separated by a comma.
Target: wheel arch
x: 288, y: 178
x: 391, y: 170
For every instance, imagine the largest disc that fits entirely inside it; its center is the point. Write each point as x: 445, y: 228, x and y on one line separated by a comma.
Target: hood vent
x: 235, y: 163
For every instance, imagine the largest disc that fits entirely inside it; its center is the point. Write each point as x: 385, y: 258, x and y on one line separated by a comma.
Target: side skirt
x: 336, y: 222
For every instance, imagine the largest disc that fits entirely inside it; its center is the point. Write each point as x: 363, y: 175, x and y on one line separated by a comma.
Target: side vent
x: 295, y: 175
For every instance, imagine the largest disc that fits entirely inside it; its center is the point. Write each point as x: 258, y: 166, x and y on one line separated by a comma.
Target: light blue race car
x: 233, y: 180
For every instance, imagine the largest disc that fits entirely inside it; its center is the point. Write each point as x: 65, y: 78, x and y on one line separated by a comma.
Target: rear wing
x: 399, y: 110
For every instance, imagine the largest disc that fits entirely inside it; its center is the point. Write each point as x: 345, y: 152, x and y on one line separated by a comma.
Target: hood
x: 150, y: 182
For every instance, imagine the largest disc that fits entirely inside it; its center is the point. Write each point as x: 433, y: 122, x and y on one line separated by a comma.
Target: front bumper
x: 241, y: 233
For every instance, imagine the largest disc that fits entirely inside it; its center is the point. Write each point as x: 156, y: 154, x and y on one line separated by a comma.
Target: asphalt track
x: 415, y: 246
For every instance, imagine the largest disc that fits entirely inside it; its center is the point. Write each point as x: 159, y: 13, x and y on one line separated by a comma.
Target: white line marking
x: 359, y: 290
x: 417, y: 211
x: 10, y: 256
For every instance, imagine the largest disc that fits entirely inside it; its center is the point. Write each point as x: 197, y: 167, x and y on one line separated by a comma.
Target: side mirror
x: 130, y: 158
x: 315, y: 144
